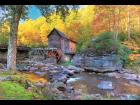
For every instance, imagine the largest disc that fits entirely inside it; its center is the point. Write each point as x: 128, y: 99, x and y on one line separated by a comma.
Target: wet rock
x: 59, y: 85
x: 78, y: 92
x: 130, y: 76
x: 71, y: 80
x: 69, y: 89
x: 60, y: 77
x: 68, y: 72
x: 129, y: 97
x: 113, y: 74
x: 44, y: 68
x: 76, y: 69
x: 105, y: 85
x: 40, y: 73
x: 134, y: 83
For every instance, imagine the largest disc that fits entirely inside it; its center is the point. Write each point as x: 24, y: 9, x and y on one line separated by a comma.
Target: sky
x: 34, y: 13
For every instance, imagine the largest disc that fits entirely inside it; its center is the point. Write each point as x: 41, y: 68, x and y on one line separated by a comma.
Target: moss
x: 17, y: 88
x: 14, y: 91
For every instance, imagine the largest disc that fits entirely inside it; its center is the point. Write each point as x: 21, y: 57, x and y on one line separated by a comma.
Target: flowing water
x: 88, y: 83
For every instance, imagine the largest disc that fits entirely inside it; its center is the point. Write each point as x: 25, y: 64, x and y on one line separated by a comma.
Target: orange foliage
x: 133, y: 57
x: 131, y: 45
x: 34, y: 78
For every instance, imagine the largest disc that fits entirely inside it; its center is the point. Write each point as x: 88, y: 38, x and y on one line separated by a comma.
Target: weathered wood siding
x: 57, y: 41
x: 72, y: 47
x: 66, y: 45
x: 54, y: 40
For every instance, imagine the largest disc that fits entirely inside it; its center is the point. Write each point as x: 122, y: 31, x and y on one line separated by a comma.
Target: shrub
x: 122, y: 37
x: 105, y: 44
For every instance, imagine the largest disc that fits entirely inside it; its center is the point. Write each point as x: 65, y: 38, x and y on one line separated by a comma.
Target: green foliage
x: 122, y: 36
x: 123, y: 53
x: 85, y: 37
x: 3, y: 39
x: 136, y: 38
x: 133, y: 65
x: 106, y: 44
x: 14, y: 91
x: 78, y: 47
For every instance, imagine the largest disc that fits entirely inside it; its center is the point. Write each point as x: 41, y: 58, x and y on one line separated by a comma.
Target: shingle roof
x: 61, y: 34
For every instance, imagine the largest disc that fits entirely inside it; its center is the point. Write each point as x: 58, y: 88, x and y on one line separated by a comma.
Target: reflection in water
x: 88, y: 84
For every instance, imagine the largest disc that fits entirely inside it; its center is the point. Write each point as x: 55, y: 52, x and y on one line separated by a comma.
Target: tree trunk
x: 12, y: 50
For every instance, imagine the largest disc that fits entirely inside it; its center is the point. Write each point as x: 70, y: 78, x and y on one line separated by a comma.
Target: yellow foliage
x: 131, y: 45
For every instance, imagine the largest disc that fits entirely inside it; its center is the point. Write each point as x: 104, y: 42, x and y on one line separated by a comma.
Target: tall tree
x: 15, y: 12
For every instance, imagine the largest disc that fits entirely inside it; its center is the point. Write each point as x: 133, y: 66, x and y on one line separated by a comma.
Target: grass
x: 14, y: 91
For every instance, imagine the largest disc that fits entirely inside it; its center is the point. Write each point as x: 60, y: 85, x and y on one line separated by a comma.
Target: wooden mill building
x: 58, y: 40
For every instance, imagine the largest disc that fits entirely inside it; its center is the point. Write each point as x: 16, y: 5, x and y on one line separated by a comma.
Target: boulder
x: 105, y: 63
x: 105, y: 85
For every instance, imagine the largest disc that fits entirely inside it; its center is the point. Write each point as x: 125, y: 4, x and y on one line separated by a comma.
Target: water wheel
x: 55, y: 54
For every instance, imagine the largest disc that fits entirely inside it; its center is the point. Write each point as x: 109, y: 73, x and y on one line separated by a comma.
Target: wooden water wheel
x: 54, y: 53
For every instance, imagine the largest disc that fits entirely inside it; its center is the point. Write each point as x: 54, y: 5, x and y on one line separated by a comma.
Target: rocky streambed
x: 73, y: 83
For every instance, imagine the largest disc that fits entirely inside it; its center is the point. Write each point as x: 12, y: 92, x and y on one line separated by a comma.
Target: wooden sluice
x: 47, y: 53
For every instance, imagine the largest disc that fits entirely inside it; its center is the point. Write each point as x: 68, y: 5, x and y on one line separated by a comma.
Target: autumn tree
x: 16, y: 12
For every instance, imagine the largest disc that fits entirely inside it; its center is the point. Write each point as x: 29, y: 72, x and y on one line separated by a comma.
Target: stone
x: 69, y: 89
x: 33, y: 68
x: 105, y: 85
x: 23, y: 67
x: 129, y: 97
x: 60, y: 86
x: 59, y: 77
x: 68, y: 72
x: 78, y: 92
x: 40, y: 73
x: 104, y: 63
x: 45, y: 68
x: 76, y: 69
x: 130, y: 76
x: 134, y: 83
x: 113, y: 74
x: 71, y: 80
x: 8, y: 78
